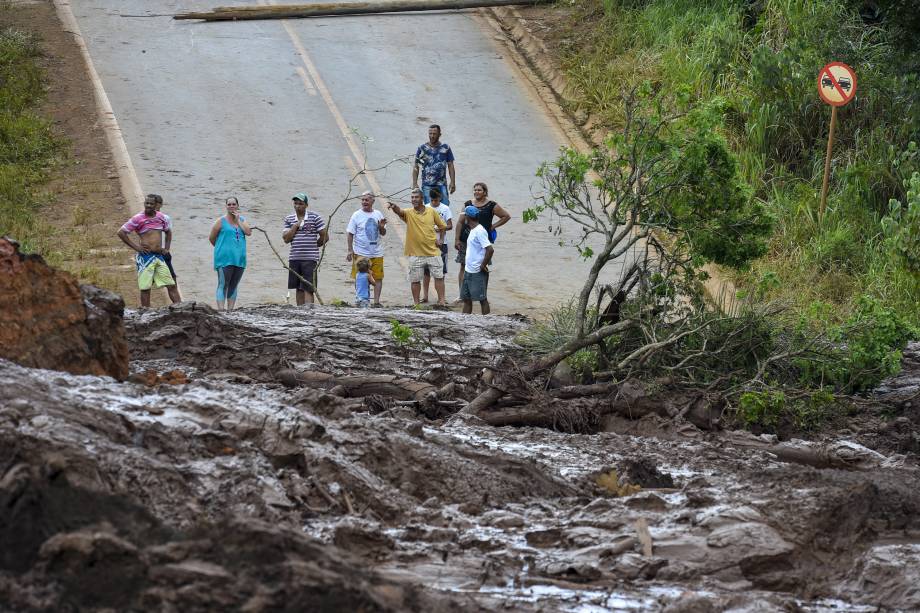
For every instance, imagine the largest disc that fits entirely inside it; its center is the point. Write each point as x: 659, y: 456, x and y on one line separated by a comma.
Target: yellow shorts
x: 154, y: 274
x: 375, y: 269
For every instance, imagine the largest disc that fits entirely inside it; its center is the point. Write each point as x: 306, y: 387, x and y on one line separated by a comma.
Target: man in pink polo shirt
x: 152, y: 270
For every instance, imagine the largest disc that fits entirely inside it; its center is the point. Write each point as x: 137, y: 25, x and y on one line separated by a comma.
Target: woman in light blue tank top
x: 228, y: 235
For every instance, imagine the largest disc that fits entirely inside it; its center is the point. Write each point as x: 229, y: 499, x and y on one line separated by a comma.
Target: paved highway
x: 266, y: 109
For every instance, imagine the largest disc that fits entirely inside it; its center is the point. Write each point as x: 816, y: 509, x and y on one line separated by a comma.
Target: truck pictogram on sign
x: 837, y: 84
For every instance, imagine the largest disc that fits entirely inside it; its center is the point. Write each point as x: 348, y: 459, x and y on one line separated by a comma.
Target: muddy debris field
x: 277, y: 459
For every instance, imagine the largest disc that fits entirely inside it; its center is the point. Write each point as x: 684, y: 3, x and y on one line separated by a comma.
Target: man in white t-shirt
x: 479, y: 252
x: 444, y: 211
x: 365, y: 228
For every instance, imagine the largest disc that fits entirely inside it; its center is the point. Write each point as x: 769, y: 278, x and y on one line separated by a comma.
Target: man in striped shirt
x: 306, y: 232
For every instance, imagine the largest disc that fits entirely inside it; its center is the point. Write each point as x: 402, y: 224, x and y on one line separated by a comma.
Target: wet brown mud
x: 233, y: 491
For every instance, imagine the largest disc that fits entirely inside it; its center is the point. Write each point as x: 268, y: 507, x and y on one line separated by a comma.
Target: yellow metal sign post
x: 836, y: 86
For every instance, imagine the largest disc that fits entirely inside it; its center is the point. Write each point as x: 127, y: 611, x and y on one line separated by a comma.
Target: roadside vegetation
x: 51, y: 201
x: 29, y: 149
x: 762, y: 59
x: 825, y: 303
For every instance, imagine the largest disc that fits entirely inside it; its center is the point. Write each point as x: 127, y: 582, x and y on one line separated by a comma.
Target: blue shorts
x: 475, y: 286
x: 445, y: 195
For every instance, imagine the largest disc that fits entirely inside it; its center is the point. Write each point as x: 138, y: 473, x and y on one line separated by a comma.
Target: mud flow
x: 262, y: 461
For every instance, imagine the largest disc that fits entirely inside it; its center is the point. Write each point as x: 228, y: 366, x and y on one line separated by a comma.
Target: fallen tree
x: 665, y: 172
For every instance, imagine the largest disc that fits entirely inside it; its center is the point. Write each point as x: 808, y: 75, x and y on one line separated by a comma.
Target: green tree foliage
x: 668, y: 171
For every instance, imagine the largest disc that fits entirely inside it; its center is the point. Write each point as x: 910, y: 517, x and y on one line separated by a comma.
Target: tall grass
x: 28, y: 147
x: 764, y: 58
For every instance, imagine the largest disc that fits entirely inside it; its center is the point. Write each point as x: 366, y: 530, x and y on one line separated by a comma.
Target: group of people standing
x: 428, y: 221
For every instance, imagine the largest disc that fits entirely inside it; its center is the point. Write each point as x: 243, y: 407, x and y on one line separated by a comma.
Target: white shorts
x: 417, y: 265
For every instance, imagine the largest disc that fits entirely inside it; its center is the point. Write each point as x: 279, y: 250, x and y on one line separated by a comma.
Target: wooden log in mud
x: 843, y: 454
x: 326, y: 9
x: 631, y: 399
x: 391, y: 386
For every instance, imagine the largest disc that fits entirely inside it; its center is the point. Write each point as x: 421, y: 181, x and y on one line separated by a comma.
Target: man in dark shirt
x: 435, y: 160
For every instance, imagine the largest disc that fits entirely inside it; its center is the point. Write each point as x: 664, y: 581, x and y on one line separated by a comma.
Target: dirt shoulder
x: 83, y: 202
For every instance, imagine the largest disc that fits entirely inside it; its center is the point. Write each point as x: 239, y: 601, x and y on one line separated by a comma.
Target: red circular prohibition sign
x: 837, y: 84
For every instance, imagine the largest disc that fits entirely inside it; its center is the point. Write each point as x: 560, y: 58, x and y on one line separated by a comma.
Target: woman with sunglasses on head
x: 228, y: 235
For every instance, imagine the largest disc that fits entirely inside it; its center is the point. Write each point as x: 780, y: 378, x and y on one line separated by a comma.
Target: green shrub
x: 866, y: 349
x: 402, y: 334
x: 902, y: 226
x: 773, y: 410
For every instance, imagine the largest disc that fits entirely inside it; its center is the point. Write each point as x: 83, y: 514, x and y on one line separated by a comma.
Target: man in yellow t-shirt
x: 421, y: 247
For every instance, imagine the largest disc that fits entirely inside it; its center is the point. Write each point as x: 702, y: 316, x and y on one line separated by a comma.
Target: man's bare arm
x: 453, y: 177
x: 288, y: 235
x: 488, y: 258
x: 395, y: 208
x: 415, y: 174
x: 124, y: 236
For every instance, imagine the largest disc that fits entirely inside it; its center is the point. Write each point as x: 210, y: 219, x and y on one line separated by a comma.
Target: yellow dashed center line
x: 312, y: 78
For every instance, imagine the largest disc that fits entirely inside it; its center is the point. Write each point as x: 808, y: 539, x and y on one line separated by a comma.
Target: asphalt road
x: 266, y: 109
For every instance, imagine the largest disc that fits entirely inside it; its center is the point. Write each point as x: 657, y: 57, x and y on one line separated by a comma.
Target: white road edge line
x: 127, y: 177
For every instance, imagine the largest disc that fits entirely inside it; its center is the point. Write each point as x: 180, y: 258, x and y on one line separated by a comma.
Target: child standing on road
x: 364, y: 279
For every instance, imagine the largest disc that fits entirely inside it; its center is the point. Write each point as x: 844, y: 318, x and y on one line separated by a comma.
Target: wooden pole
x: 827, y: 162
x: 291, y: 11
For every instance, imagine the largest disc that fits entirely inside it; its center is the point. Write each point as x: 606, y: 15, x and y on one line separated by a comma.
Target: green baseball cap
x: 301, y: 196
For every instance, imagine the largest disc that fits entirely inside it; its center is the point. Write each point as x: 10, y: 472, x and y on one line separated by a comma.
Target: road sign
x: 837, y: 84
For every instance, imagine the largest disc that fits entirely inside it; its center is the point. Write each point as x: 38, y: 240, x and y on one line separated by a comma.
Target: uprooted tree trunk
x: 630, y: 399
x: 492, y: 394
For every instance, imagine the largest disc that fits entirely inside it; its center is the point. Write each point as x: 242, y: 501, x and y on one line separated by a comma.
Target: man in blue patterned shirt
x: 436, y: 161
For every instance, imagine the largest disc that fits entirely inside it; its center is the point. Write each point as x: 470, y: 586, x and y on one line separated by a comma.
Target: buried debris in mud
x: 239, y: 487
